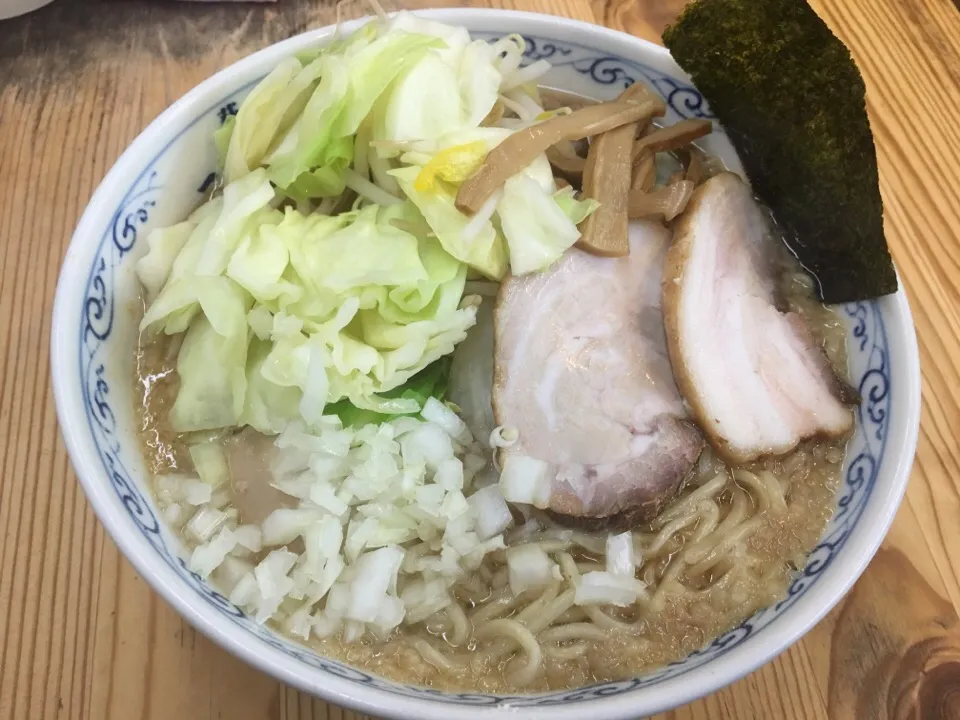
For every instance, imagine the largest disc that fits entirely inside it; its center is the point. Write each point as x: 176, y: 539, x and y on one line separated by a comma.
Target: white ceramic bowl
x: 160, y: 178
x: 15, y: 8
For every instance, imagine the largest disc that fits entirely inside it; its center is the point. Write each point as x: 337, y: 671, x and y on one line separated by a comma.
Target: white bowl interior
x: 161, y: 178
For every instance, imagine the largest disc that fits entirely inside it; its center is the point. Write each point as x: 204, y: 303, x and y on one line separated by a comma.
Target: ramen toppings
x: 395, y: 411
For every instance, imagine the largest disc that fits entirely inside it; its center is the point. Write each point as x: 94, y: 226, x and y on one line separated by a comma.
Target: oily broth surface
x: 692, y: 612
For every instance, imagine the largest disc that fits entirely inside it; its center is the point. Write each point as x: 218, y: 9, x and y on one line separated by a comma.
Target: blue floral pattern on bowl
x: 606, y: 75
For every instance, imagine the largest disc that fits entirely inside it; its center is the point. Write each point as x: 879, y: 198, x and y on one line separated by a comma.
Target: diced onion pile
x: 381, y: 518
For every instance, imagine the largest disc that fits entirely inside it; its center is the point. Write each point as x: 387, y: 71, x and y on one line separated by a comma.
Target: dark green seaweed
x: 792, y: 102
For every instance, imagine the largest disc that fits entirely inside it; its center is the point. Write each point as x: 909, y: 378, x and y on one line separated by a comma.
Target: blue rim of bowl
x: 877, y: 394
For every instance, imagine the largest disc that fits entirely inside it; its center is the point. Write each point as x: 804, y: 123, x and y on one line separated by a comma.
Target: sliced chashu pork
x: 755, y: 377
x: 582, y: 372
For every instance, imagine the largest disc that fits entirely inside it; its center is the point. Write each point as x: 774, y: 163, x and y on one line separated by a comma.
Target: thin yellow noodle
x: 537, y: 605
x: 572, y: 631
x: 585, y: 567
x: 668, y: 579
x: 591, y: 544
x: 778, y: 500
x: 759, y: 488
x: 499, y: 604
x: 476, y: 583
x: 721, y: 583
x: 696, y: 552
x: 513, y: 630
x: 670, y: 529
x: 725, y: 545
x: 460, y: 625
x: 573, y: 615
x: 709, y: 519
x: 681, y: 507
x: 544, y: 616
x: 441, y: 661
x: 551, y: 546
x: 438, y: 624
x: 552, y: 611
x: 569, y: 568
x: 602, y: 620
x: 466, y: 595
x: 566, y: 652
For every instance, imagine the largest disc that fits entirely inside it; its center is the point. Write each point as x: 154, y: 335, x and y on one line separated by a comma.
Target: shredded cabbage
x: 536, y: 228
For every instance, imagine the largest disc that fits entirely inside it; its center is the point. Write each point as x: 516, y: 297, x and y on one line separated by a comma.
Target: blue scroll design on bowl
x: 605, y: 70
x: 96, y: 330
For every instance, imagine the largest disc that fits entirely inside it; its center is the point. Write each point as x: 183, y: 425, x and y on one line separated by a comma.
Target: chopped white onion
x: 250, y: 537
x: 524, y: 480
x: 620, y: 558
x: 174, y: 514
x: 207, y: 557
x: 272, y: 582
x: 390, y: 613
x: 205, y: 523
x: 230, y: 572
x: 376, y: 571
x: 436, y: 412
x: 245, y: 592
x: 424, y: 598
x: 491, y: 512
x: 284, y: 525
x: 428, y: 444
x: 300, y: 623
x: 449, y: 475
x: 529, y: 567
x: 211, y: 463
x: 603, y: 588
x: 362, y: 492
x: 196, y: 492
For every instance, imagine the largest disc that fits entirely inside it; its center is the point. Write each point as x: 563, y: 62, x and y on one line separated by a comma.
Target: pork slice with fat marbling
x: 755, y: 378
x: 582, y: 372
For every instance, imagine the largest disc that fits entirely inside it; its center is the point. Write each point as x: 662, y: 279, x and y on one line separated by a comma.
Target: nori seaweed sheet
x: 792, y: 103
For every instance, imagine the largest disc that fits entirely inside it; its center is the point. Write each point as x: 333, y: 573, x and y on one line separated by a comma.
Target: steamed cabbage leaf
x: 450, y: 89
x: 576, y: 210
x: 306, y: 310
x: 222, y: 224
x: 212, y: 361
x: 349, y: 87
x: 164, y: 244
x: 484, y: 250
x: 432, y: 381
x: 261, y: 115
x: 537, y: 229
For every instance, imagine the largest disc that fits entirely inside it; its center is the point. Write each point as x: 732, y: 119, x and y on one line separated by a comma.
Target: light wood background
x: 82, y: 636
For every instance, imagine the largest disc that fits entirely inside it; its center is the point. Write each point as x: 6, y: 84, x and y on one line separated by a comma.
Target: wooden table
x: 82, y: 636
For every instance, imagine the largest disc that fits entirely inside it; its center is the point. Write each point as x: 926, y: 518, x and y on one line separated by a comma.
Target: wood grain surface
x: 82, y: 636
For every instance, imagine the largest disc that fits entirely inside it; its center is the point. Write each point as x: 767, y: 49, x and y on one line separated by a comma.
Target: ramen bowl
x: 165, y: 173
